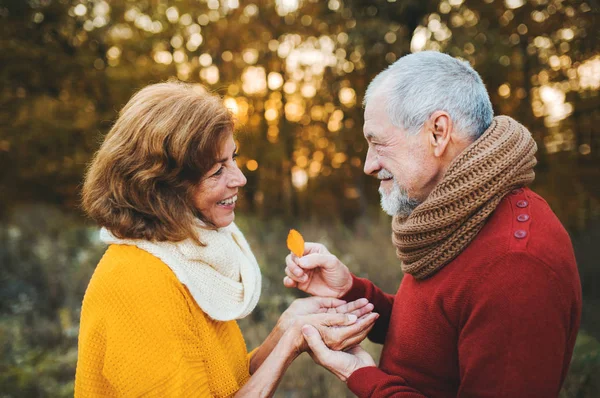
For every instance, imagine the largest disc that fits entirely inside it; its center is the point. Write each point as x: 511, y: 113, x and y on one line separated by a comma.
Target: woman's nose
x: 238, y: 178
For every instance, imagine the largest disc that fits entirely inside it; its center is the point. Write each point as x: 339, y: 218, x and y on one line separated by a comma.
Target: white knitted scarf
x: 223, y: 276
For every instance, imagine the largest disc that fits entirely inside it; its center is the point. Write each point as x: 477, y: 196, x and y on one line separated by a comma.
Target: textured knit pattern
x: 447, y: 221
x: 143, y: 334
x: 499, y: 321
x: 222, y: 276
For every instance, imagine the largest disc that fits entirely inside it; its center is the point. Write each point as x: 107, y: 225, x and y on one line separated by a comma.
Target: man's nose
x: 371, y: 164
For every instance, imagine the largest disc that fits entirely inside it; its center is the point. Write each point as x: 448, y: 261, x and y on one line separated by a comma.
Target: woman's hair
x: 141, y: 181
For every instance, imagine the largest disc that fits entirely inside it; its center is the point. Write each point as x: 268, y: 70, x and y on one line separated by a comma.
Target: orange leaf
x: 295, y: 242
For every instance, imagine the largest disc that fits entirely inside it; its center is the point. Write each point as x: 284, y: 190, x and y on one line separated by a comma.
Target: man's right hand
x: 318, y: 272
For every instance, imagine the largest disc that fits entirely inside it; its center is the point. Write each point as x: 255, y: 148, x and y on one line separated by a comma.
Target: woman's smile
x: 228, y: 203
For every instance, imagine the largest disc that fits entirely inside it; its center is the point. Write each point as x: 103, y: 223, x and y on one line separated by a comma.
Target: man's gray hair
x: 417, y: 85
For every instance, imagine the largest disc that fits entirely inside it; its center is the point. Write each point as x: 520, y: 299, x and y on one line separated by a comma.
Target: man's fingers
x: 317, y: 260
x: 341, y: 338
x: 294, y: 277
x: 293, y: 270
x: 313, y: 247
x: 314, y: 341
x: 288, y: 282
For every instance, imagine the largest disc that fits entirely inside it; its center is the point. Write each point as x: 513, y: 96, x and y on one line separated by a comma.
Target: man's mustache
x: 384, y: 174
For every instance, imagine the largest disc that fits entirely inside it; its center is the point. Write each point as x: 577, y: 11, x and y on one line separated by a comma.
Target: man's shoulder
x: 524, y: 229
x: 523, y: 221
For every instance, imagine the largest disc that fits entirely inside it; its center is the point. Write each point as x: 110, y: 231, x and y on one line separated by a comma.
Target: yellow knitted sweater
x: 142, y: 334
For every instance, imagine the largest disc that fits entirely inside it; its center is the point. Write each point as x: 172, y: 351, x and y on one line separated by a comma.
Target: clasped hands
x: 331, y: 329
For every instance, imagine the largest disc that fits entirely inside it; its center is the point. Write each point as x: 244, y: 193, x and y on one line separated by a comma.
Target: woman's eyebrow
x: 226, y: 159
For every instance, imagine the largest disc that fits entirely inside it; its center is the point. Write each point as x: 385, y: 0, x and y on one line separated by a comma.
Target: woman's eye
x: 218, y: 172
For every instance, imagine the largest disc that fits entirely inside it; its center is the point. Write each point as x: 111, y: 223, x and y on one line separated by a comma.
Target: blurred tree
x: 293, y: 72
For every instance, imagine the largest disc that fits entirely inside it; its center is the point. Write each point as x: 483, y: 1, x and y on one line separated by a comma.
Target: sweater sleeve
x: 515, y: 332
x: 152, y: 346
x: 382, y: 302
x: 513, y: 337
x: 373, y: 382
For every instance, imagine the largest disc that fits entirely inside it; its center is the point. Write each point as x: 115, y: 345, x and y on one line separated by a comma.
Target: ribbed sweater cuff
x: 364, y: 381
x: 357, y: 290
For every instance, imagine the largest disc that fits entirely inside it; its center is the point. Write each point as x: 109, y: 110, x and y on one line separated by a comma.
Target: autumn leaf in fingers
x: 295, y: 242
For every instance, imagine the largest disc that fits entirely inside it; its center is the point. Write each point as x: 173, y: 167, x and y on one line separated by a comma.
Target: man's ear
x: 440, y: 132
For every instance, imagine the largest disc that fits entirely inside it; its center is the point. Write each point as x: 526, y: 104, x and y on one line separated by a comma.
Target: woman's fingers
x: 317, y: 304
x: 364, y: 323
x: 323, y: 320
x: 352, y: 306
x: 336, y: 319
x: 367, y: 309
x: 327, y: 302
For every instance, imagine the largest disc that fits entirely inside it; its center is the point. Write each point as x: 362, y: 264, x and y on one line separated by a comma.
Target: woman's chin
x: 225, y: 220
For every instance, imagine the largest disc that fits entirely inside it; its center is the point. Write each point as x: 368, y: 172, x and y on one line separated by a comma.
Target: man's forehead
x: 372, y: 122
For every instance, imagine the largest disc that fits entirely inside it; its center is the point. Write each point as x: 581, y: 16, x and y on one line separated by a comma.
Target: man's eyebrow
x: 370, y: 136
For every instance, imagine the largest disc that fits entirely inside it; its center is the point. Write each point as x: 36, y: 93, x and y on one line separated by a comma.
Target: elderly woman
x: 159, y: 315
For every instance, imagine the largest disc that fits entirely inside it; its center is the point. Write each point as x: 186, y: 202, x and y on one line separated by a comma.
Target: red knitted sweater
x: 500, y: 320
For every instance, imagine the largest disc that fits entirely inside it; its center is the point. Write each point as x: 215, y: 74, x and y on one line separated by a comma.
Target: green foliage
x: 583, y: 380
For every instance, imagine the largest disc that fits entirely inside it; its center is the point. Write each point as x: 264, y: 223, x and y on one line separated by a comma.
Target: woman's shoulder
x: 135, y: 272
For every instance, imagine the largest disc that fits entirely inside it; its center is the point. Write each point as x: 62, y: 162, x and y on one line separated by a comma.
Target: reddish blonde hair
x: 141, y: 181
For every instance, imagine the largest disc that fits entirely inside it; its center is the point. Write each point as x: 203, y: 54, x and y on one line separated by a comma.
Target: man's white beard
x: 396, y: 202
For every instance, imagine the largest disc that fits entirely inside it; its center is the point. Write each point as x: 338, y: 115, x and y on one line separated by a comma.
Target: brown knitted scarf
x: 441, y: 227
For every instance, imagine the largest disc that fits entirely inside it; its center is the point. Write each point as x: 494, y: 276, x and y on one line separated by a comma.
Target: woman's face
x: 216, y: 193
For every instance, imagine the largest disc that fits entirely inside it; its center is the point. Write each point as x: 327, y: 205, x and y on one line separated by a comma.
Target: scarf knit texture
x: 223, y: 277
x: 441, y: 227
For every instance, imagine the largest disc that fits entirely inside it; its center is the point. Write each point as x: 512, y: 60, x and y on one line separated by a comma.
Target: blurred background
x: 294, y: 73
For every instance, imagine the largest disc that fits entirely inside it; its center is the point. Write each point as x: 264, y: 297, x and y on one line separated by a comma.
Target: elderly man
x: 490, y: 301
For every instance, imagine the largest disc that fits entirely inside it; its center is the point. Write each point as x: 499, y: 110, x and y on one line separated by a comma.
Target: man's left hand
x: 340, y: 363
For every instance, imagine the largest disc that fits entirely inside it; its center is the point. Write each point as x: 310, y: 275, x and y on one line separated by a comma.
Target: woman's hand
x: 318, y: 272
x: 319, y: 305
x: 298, y: 309
x: 339, y: 330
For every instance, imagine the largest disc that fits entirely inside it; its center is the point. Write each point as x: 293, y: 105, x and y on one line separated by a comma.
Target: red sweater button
x: 522, y: 203
x: 522, y: 217
x: 520, y: 234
